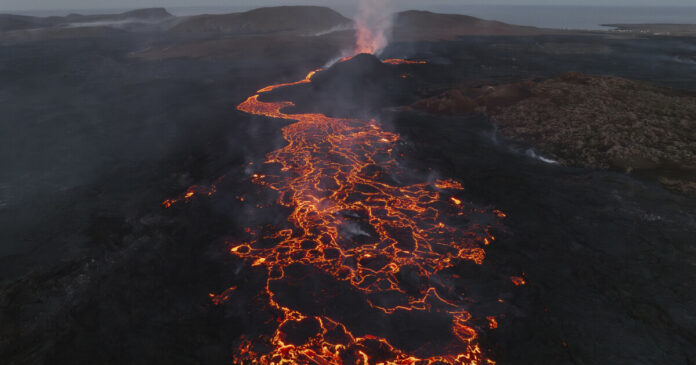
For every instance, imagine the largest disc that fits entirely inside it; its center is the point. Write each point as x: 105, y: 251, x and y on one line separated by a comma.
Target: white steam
x: 113, y: 23
x: 373, y: 25
x: 531, y: 153
x: 337, y: 28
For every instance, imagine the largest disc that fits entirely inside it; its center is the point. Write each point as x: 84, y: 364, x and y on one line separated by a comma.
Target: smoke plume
x: 372, y: 26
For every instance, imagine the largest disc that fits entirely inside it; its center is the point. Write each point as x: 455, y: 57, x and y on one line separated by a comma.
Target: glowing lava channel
x: 336, y: 175
x: 333, y: 169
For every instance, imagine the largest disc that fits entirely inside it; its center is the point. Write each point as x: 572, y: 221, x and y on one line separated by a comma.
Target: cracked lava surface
x: 354, y: 221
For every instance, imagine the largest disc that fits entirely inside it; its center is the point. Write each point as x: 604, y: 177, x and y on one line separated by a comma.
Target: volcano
x: 250, y: 188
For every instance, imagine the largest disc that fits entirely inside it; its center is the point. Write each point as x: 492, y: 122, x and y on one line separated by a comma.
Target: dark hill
x: 359, y: 86
x: 424, y: 25
x: 138, y: 14
x: 364, y: 65
x: 265, y: 20
x: 151, y: 13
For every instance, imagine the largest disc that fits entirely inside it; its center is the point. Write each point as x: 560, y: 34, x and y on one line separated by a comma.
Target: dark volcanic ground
x: 95, y: 271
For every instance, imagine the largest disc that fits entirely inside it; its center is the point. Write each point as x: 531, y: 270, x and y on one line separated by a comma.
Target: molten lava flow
x: 337, y: 177
x: 352, y: 220
x: 398, y: 61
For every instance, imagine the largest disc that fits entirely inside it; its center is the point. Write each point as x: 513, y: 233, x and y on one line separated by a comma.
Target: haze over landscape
x: 409, y: 4
x: 570, y: 14
x: 372, y: 182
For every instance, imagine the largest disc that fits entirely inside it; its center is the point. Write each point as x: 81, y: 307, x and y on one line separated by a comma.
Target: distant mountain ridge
x: 286, y: 20
x: 9, y: 22
x: 408, y: 25
x: 264, y: 20
x: 424, y: 25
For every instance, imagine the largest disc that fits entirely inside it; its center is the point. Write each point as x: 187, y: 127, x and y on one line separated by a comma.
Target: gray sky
x: 10, y: 5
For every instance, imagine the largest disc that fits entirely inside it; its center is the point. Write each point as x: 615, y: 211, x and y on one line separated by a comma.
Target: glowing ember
x: 518, y: 280
x: 492, y: 322
x: 192, y: 192
x: 221, y: 298
x: 499, y: 213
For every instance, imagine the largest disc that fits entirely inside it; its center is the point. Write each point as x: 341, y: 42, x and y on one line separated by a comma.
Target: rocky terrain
x: 592, y: 121
x: 102, y: 123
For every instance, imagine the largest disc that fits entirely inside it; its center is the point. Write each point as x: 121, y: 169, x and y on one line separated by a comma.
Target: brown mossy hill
x: 415, y: 25
x: 476, y: 99
x: 592, y: 121
x: 265, y: 20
